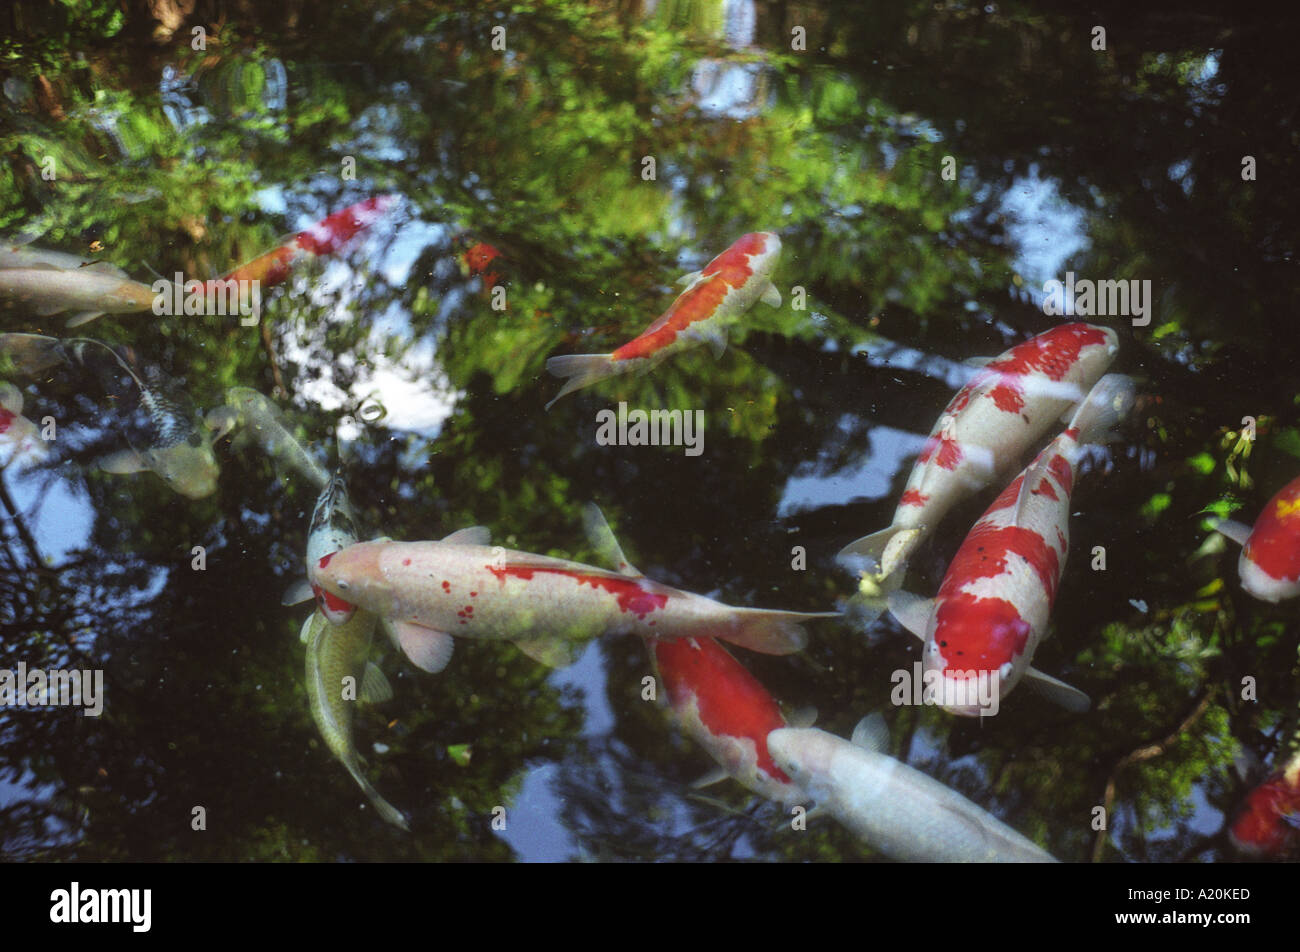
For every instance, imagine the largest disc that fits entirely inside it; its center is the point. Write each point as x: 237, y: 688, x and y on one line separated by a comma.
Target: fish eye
x: 341, y: 584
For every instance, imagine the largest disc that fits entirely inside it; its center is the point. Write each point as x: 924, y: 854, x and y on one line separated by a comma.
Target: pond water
x: 554, y: 169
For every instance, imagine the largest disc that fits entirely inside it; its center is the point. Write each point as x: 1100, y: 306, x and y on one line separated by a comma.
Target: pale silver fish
x: 172, y: 445
x: 894, y: 808
x: 338, y: 674
x: 92, y: 291
x: 264, y: 423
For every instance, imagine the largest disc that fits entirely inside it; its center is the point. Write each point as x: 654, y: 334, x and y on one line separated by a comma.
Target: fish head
x: 354, y: 575
x: 189, y: 467
x: 128, y: 297
x: 333, y: 527
x: 808, y: 756
x: 975, y: 653
x: 1096, y: 347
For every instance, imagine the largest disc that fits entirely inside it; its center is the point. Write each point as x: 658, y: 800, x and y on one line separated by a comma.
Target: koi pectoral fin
x: 297, y: 593
x: 1234, y: 530
x: 552, y: 652
x: 771, y: 296
x: 83, y: 318
x: 1058, y: 692
x: 428, y: 649
x: 912, y: 611
x: 123, y: 462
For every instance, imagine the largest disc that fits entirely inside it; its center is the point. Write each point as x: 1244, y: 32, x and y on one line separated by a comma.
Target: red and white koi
x: 430, y: 591
x: 715, y: 297
x: 1008, y: 404
x: 1268, y: 824
x: 20, y: 438
x: 326, y: 237
x: 1269, y: 565
x: 723, y: 708
x: 982, y: 629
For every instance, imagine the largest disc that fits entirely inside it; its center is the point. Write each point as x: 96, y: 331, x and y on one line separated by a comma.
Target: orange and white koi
x: 992, y: 609
x: 715, y: 297
x: 1269, y: 565
x: 1008, y: 404
x: 327, y: 236
x: 723, y: 708
x: 430, y: 591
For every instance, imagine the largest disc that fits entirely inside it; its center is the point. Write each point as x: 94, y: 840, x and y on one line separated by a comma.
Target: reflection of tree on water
x: 839, y: 149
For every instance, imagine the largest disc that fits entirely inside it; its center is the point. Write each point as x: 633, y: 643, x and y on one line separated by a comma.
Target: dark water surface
x: 1117, y: 164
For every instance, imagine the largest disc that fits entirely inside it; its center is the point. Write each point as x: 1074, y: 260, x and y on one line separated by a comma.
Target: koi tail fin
x: 768, y: 631
x: 884, y: 553
x: 581, y: 370
x: 1106, y: 405
x: 382, y: 806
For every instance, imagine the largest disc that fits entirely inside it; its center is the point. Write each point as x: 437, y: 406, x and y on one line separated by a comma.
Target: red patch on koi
x: 1265, y: 821
x: 1061, y: 470
x: 913, y: 497
x: 1274, y: 543
x: 332, y: 233
x: 949, y: 452
x: 446, y: 586
x: 631, y: 596
x: 984, y: 555
x: 328, y: 601
x: 6, y: 419
x: 325, y: 559
x: 731, y: 701
x: 1045, y: 489
x: 979, y: 634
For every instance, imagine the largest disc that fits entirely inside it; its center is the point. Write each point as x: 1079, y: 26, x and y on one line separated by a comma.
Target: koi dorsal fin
x: 601, y: 537
x: 473, y: 535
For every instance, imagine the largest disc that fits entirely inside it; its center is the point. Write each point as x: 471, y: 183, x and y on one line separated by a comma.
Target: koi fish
x: 896, y: 809
x: 92, y: 291
x: 337, y: 674
x: 20, y: 438
x: 262, y: 420
x: 1268, y: 824
x: 430, y: 591
x: 477, y: 259
x: 1008, y: 404
x: 982, y: 629
x: 326, y: 237
x: 333, y: 527
x: 715, y: 297
x: 724, y: 709
x: 168, y: 441
x: 1269, y: 565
